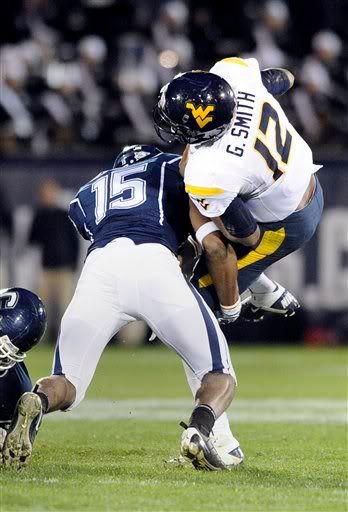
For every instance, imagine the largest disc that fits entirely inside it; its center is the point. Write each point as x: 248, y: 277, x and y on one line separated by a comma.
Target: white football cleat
x: 228, y: 449
x: 226, y: 446
x: 280, y: 302
x: 201, y: 450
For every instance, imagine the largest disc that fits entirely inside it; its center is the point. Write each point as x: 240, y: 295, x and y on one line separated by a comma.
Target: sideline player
x: 248, y: 170
x: 131, y: 273
x: 22, y: 325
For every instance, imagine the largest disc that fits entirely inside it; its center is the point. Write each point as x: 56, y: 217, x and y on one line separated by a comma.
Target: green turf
x: 119, y: 465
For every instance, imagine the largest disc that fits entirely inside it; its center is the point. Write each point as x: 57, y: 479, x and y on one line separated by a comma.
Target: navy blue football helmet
x: 193, y: 108
x: 22, y: 325
x: 132, y: 154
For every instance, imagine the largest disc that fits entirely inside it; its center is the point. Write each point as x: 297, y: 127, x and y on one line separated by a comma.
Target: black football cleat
x: 21, y: 434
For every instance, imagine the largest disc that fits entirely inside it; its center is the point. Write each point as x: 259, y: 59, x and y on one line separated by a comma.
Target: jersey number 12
x: 281, y: 150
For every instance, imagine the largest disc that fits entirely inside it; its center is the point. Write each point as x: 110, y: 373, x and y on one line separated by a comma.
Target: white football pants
x: 123, y: 282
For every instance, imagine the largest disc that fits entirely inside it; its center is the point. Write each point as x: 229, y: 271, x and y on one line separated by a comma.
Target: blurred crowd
x: 85, y: 74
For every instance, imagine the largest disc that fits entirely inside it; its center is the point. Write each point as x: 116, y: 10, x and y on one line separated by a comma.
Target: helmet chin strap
x: 9, y: 354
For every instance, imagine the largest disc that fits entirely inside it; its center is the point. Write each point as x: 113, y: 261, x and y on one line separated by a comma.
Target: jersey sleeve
x: 205, y: 183
x: 238, y: 71
x: 210, y: 206
x: 78, y: 217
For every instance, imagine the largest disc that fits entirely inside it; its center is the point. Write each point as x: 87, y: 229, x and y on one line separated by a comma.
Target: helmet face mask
x: 9, y: 354
x: 171, y: 132
x: 194, y: 108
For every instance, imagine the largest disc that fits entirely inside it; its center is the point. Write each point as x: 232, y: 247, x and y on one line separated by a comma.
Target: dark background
x: 79, y: 80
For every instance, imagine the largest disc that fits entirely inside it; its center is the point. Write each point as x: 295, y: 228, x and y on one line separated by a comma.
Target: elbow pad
x: 238, y: 220
x: 277, y: 80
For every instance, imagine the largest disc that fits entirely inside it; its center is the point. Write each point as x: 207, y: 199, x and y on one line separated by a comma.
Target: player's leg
x: 90, y: 321
x: 225, y: 442
x: 181, y: 319
x: 278, y: 240
x: 13, y: 384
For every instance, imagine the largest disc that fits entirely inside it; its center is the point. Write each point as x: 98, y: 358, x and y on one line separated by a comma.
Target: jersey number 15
x: 118, y: 190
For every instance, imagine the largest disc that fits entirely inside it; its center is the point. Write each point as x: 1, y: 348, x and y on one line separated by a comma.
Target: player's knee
x: 61, y: 393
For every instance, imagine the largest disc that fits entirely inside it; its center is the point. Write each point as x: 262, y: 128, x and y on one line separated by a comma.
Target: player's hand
x: 229, y: 314
x: 189, y: 253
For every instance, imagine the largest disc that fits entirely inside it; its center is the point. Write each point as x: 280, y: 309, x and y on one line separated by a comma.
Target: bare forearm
x: 222, y: 265
x: 221, y: 260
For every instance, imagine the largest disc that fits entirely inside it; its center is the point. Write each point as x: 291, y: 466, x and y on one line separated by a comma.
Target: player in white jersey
x: 247, y: 168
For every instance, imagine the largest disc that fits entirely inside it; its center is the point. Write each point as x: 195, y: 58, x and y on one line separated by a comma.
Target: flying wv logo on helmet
x: 201, y: 114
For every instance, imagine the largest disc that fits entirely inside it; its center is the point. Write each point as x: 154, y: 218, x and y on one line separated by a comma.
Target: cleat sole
x: 18, y: 447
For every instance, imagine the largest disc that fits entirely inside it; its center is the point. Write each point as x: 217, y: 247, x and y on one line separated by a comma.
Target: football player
x: 131, y: 273
x: 248, y: 172
x: 22, y: 325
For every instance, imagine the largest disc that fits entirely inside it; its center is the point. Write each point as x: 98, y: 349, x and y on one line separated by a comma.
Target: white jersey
x: 261, y: 157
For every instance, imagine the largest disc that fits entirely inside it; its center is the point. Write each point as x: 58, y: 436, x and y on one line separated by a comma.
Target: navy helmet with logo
x: 194, y: 107
x: 22, y: 325
x: 132, y: 154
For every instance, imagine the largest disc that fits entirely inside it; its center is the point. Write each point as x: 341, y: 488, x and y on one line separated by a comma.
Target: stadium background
x: 79, y: 80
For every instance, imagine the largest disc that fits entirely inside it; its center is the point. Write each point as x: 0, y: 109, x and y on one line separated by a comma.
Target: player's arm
x: 277, y: 80
x: 238, y: 225
x: 221, y: 261
x: 231, y: 216
x: 78, y: 217
x: 222, y: 205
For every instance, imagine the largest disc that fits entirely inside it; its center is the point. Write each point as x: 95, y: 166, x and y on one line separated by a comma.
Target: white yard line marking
x: 309, y: 411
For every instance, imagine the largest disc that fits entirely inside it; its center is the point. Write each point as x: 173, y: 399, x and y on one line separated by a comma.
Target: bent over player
x: 22, y: 325
x: 248, y: 171
x: 131, y: 273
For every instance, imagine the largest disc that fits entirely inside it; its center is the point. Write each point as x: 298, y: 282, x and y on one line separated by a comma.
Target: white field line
x: 309, y: 411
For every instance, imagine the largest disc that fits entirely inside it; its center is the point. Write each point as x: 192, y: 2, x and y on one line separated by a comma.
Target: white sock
x: 262, y: 285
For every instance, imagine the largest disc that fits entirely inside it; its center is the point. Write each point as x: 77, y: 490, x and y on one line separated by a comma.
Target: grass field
x: 289, y: 415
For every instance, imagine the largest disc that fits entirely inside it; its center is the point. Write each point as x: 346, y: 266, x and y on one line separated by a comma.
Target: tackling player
x: 22, y: 325
x: 248, y: 171
x: 131, y: 273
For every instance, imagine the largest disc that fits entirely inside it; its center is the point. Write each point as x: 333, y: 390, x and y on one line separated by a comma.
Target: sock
x: 262, y: 285
x: 44, y: 400
x: 203, y: 418
x: 222, y: 425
